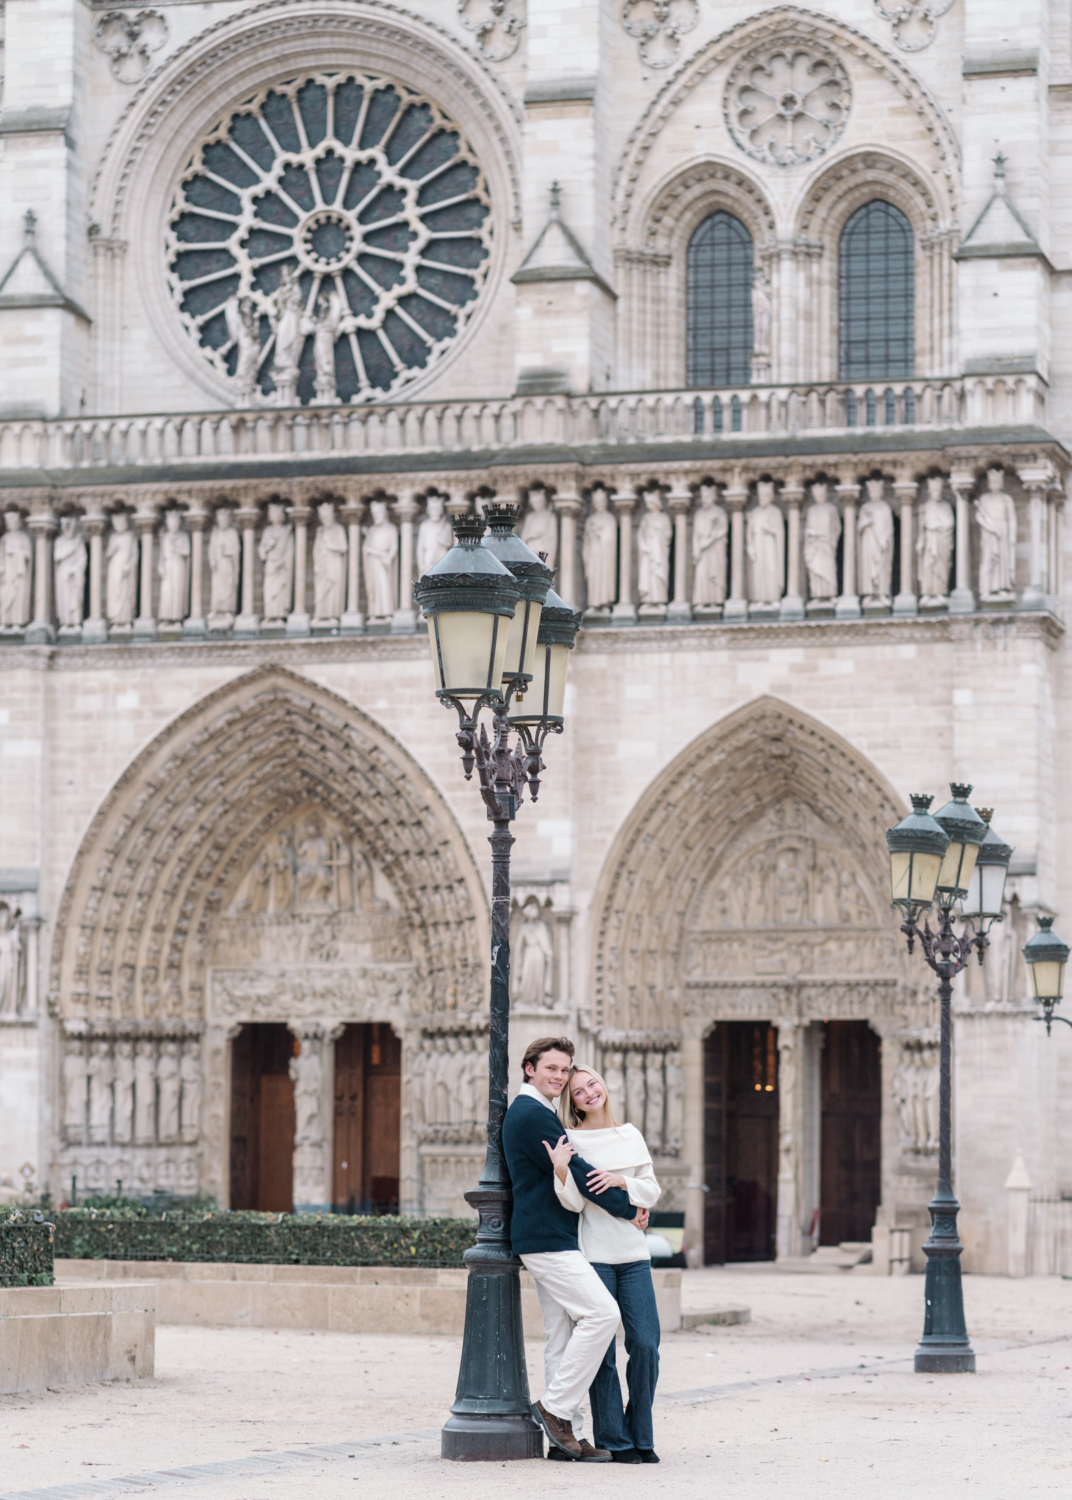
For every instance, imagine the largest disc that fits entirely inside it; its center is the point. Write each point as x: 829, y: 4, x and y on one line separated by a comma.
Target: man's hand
x: 599, y: 1182
x: 560, y: 1156
x: 641, y: 1220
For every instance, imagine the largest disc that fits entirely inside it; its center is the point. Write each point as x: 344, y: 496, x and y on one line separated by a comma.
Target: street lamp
x: 1046, y: 955
x: 933, y: 858
x: 500, y: 639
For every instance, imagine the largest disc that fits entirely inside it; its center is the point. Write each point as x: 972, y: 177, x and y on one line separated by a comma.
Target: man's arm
x: 614, y: 1200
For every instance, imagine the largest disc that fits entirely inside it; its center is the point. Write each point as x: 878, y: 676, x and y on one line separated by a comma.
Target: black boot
x: 647, y: 1455
x: 625, y: 1456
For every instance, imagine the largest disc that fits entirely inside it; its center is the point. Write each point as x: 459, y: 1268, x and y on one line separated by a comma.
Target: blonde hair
x: 568, y: 1112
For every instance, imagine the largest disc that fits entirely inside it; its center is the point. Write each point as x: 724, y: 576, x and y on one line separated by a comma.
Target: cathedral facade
x: 754, y: 311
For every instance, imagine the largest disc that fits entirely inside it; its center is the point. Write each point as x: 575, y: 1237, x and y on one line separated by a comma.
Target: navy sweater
x: 539, y: 1222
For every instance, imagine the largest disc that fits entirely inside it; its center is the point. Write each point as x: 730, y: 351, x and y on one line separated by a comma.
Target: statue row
x: 124, y: 1091
x: 647, y: 1090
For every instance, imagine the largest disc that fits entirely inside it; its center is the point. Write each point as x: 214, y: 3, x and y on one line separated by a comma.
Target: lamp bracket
x: 945, y: 951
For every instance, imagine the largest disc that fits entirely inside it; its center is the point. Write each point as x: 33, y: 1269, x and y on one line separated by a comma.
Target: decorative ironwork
x: 788, y: 103
x: 497, y: 25
x: 658, y: 26
x: 914, y: 23
x: 329, y: 240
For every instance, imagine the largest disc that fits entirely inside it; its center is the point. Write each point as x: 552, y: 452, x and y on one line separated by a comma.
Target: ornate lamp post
x: 500, y: 640
x: 941, y: 858
x: 1046, y: 956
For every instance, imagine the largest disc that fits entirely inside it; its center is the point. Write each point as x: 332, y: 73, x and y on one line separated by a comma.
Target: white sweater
x: 601, y: 1236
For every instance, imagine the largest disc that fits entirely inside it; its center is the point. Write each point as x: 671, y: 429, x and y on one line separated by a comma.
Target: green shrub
x: 26, y: 1250
x: 261, y: 1239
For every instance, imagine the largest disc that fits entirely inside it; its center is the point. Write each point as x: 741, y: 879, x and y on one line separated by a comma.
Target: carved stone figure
x: 675, y: 1104
x: 75, y: 1088
x: 240, y: 314
x: 710, y: 528
x: 11, y: 976
x: 144, y: 1094
x: 167, y: 1083
x: 324, y: 326
x: 329, y: 565
x: 122, y: 571
x: 315, y: 883
x: 69, y: 561
x: 653, y: 550
x: 123, y: 1093
x: 599, y: 551
x: 822, y: 529
x: 654, y: 1097
x: 282, y: 874
x: 761, y: 315
x: 224, y: 561
x: 100, y: 1093
x: 285, y: 317
x: 434, y: 535
x: 539, y: 529
x: 307, y: 1072
x: 995, y: 510
x: 190, y: 1074
x: 276, y: 551
x: 16, y: 572
x: 381, y: 563
x: 766, y: 546
x: 174, y: 570
x: 535, y: 954
x: 875, y: 545
x: 934, y: 543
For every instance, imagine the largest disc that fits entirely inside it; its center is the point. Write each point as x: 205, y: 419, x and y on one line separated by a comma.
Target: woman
x: 619, y: 1256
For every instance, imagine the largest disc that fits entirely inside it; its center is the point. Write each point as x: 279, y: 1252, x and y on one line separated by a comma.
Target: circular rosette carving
x: 787, y: 103
x: 328, y: 240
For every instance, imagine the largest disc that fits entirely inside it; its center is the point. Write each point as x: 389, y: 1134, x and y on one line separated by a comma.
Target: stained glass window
x: 876, y: 294
x: 719, y: 303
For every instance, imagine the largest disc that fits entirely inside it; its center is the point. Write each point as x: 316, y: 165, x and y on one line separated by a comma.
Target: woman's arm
x: 643, y: 1189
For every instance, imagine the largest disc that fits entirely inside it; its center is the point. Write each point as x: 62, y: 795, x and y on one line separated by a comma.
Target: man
x: 580, y: 1316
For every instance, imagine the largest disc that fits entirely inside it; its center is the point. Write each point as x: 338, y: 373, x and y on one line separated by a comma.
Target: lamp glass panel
x: 913, y: 876
x: 465, y: 650
x: 1047, y: 979
x: 991, y: 879
x: 556, y: 680
x: 548, y: 673
x: 957, y: 866
x: 521, y: 637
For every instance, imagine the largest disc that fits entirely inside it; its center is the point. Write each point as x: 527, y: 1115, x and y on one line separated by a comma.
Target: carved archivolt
x: 680, y: 205
x: 176, y: 839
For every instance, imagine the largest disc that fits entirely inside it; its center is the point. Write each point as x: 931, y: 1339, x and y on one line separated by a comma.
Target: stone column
x: 692, y: 1148
x: 312, y: 1138
x: 792, y: 606
x: 736, y: 498
x: 790, y: 1122
x: 569, y: 508
x: 405, y: 616
x: 1018, y: 1186
x: 353, y: 621
x: 196, y: 520
x: 962, y: 482
x: 624, y: 612
x: 848, y: 604
x: 145, y: 625
x: 680, y: 502
x: 41, y: 631
x: 246, y: 622
x: 905, y: 490
x: 95, y: 628
x: 298, y: 621
x: 1036, y: 481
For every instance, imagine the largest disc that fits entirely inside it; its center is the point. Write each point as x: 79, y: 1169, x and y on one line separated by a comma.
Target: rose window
x: 787, y: 104
x: 328, y: 240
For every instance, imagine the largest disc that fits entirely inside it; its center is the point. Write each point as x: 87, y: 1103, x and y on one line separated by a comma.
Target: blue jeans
x: 631, y: 1287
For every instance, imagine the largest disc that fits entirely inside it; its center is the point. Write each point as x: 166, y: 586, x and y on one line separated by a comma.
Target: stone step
x: 729, y: 1314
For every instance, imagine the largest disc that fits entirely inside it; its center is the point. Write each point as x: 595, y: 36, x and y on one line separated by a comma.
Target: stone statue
x: 599, y: 551
x: 122, y: 571
x: 766, y: 546
x: 653, y: 550
x: 381, y: 563
x: 329, y: 565
x: 710, y: 527
x: 123, y: 1093
x: 315, y: 884
x: 934, y: 544
x: 69, y: 560
x: 539, y: 529
x: 174, y: 570
x: 875, y: 546
x: 995, y: 510
x: 535, y: 953
x: 167, y: 1083
x: 324, y: 326
x: 16, y: 573
x: 285, y: 316
x: 144, y: 1094
x: 434, y: 535
x: 75, y: 1087
x: 224, y: 561
x: 10, y: 962
x: 761, y: 315
x: 276, y: 551
x: 243, y: 326
x: 282, y: 874
x: 307, y: 1072
x: 100, y: 1093
x: 822, y: 529
x: 190, y: 1075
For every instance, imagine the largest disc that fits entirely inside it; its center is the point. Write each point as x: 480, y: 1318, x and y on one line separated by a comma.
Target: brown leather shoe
x: 558, y: 1431
x: 592, y: 1455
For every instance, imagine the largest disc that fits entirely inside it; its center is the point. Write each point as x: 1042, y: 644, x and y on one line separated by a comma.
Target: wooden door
x: 368, y: 1119
x: 851, y: 1132
x: 262, y: 1118
x: 275, y: 1189
x: 349, y: 1148
x: 741, y: 1142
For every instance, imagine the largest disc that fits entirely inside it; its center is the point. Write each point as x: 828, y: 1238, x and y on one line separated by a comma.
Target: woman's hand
x: 599, y: 1182
x: 560, y: 1156
x: 641, y: 1220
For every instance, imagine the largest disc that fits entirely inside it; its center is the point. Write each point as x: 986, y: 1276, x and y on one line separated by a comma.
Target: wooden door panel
x: 277, y: 1122
x: 348, y: 1150
x: 851, y: 1132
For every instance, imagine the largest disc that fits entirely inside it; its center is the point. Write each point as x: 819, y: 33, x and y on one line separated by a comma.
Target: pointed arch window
x: 719, y: 303
x: 876, y: 294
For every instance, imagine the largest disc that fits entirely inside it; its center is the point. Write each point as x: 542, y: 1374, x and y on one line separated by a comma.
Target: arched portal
x: 273, y: 856
x: 742, y: 907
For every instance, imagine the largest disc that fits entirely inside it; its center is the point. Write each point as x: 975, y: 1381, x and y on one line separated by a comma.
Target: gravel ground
x: 816, y: 1396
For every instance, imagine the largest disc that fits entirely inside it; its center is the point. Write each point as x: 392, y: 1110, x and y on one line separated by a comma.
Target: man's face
x: 550, y: 1073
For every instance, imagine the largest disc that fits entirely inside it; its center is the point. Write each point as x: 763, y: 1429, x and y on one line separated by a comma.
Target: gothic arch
x: 182, y: 823
x: 682, y: 827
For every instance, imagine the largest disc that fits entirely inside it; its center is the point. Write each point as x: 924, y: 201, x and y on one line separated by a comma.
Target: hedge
x: 262, y: 1239
x: 26, y: 1250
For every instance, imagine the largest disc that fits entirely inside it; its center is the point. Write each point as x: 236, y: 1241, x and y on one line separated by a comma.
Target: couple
x: 578, y: 1226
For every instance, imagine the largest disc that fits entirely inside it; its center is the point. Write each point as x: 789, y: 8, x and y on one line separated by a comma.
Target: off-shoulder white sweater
x: 601, y: 1236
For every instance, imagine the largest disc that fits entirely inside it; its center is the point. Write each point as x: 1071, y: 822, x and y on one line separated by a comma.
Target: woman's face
x: 586, y: 1093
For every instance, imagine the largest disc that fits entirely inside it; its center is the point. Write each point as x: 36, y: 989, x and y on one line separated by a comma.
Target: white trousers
x: 580, y: 1318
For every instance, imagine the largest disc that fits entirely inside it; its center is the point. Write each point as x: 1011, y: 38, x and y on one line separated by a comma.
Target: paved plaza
x: 815, y: 1396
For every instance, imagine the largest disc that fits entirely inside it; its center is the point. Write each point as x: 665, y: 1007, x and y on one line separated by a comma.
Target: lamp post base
x: 945, y: 1359
x: 496, y: 1439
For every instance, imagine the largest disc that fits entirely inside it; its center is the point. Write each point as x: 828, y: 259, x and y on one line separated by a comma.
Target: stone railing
x: 401, y: 428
